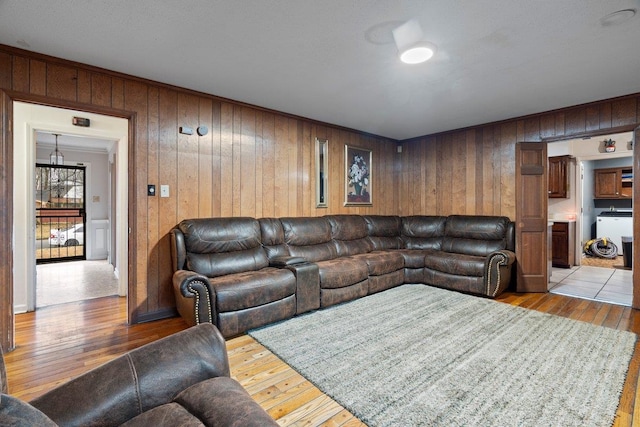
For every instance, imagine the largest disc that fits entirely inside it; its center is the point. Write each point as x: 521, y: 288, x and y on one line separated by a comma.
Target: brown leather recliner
x: 182, y: 379
x: 222, y: 275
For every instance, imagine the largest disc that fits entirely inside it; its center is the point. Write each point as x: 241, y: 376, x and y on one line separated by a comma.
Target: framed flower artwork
x: 357, y: 176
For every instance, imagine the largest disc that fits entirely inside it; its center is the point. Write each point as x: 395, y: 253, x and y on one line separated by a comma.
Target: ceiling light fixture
x: 418, y: 53
x: 412, y: 48
x: 56, y: 156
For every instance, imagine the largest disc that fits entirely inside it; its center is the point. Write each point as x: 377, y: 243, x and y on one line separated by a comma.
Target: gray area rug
x: 421, y: 356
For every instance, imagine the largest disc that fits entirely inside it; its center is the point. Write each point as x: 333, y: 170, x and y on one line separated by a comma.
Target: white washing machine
x: 614, y: 225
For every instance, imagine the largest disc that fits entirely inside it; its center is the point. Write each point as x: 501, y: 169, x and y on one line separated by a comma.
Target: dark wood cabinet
x: 613, y: 183
x: 563, y: 244
x: 559, y: 177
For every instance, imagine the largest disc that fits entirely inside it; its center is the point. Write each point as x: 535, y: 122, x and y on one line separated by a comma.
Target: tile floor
x: 63, y: 282
x: 595, y: 283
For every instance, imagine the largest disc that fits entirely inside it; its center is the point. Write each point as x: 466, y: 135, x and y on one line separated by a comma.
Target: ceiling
x: 336, y: 61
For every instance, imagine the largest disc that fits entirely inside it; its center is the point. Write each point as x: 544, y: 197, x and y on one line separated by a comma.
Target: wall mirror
x: 321, y: 172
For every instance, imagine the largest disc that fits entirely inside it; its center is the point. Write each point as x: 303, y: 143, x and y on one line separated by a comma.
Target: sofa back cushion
x: 476, y: 235
x: 273, y: 237
x: 349, y: 234
x: 309, y: 238
x: 219, y: 246
x: 423, y: 231
x: 384, y: 231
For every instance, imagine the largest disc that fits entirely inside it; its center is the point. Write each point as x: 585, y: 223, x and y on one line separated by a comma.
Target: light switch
x: 164, y: 191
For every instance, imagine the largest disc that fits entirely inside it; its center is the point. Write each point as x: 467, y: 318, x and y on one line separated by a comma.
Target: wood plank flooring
x: 59, y: 342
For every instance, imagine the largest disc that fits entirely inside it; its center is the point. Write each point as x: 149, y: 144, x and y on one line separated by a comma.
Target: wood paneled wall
x: 472, y: 170
x: 252, y: 162
x: 261, y: 163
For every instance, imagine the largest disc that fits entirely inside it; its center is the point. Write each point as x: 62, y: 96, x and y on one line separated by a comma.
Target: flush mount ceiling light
x: 418, y: 53
x: 412, y: 48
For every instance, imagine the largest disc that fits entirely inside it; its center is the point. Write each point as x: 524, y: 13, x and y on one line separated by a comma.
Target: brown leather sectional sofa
x: 241, y: 273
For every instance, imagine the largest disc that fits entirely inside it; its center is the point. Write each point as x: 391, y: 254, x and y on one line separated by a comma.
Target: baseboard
x: 154, y: 315
x: 20, y: 308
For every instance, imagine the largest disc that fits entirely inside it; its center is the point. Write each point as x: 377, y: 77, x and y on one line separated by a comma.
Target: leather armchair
x: 182, y: 379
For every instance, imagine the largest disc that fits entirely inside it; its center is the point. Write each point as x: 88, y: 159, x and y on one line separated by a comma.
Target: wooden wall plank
x: 468, y: 203
x: 37, y: 77
x: 21, y: 74
x: 226, y: 160
x: 458, y: 172
x: 281, y: 167
x: 167, y: 206
x: 117, y: 93
x: 259, y: 165
x: 268, y: 165
x: 247, y: 162
x: 624, y: 112
x: 306, y: 166
x: 205, y: 159
x: 216, y: 173
x: 186, y: 190
x: 62, y: 82
x: 84, y: 86
x: 101, y: 90
x: 6, y: 74
x: 488, y: 167
x: 137, y: 100
x: 236, y: 149
x: 153, y: 214
x: 575, y: 121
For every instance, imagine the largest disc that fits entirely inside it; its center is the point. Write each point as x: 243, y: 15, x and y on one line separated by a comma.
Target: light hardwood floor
x: 59, y: 342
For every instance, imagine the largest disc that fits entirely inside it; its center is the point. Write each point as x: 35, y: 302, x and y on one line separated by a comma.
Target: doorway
x: 586, y: 274
x: 29, y: 119
x: 60, y: 201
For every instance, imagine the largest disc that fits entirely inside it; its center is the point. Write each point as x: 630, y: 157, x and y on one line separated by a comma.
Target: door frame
x: 7, y: 99
x: 635, y: 128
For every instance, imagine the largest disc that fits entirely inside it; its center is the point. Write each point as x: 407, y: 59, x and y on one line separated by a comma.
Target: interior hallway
x: 63, y: 282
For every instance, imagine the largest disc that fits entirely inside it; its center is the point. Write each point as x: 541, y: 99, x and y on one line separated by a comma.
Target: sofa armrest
x: 498, y: 272
x: 139, y: 380
x: 195, y: 298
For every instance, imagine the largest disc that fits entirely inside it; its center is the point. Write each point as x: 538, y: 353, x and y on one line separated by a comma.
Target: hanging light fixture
x: 56, y: 156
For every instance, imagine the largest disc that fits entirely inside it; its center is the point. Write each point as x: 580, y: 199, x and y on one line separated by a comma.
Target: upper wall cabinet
x: 559, y: 177
x: 614, y: 183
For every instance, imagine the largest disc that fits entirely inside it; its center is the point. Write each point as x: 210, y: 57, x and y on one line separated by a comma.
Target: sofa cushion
x: 349, y: 233
x: 423, y: 231
x: 382, y: 262
x: 454, y: 263
x: 342, y: 272
x: 253, y: 288
x: 413, y: 258
x: 273, y: 238
x: 220, y: 246
x: 384, y: 231
x: 224, y: 402
x: 309, y: 238
x: 475, y: 235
